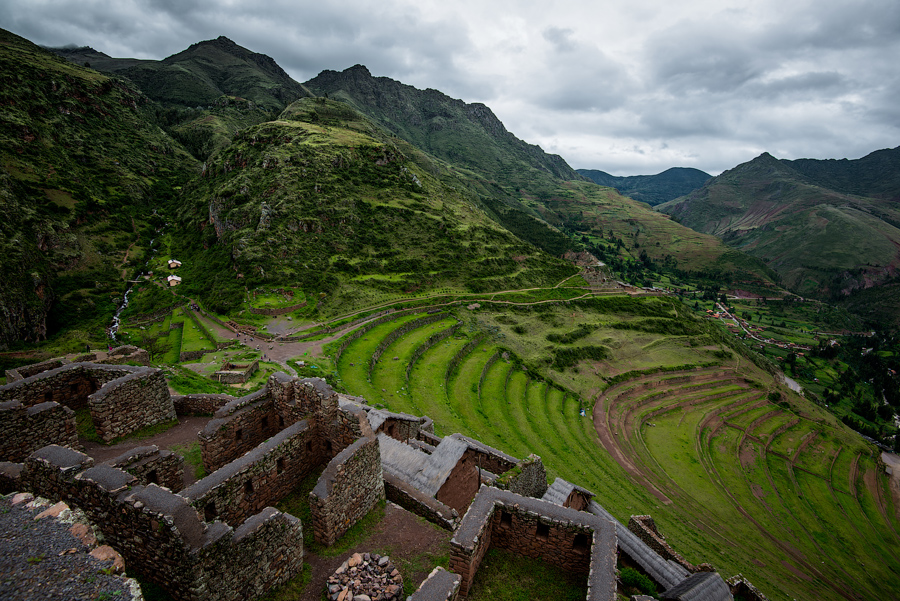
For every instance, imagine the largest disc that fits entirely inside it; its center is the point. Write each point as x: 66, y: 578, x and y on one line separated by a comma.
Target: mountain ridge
x: 652, y: 189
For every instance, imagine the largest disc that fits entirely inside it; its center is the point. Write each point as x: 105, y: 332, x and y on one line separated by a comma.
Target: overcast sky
x: 630, y: 89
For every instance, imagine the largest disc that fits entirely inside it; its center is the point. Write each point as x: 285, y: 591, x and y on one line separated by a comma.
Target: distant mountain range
x: 829, y: 228
x: 652, y: 189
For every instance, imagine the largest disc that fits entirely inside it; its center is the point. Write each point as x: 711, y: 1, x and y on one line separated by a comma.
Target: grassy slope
x: 711, y: 476
x: 81, y: 169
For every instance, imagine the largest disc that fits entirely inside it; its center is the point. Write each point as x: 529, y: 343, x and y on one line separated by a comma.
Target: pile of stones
x: 365, y: 577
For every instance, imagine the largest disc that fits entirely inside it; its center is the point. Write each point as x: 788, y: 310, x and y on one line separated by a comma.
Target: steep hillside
x: 819, y: 240
x: 213, y: 68
x: 323, y: 200
x: 876, y: 175
x: 468, y: 135
x: 652, y: 189
x: 516, y: 182
x: 82, y: 171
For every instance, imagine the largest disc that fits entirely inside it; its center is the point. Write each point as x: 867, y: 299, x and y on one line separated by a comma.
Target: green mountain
x: 324, y: 200
x: 82, y: 170
x: 524, y: 188
x: 202, y: 73
x: 652, y: 189
x: 876, y: 175
x: 820, y: 240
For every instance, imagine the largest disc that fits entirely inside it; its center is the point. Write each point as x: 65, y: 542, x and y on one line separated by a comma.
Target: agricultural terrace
x: 675, y: 425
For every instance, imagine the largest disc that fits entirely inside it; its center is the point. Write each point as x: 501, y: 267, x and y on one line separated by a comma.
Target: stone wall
x: 417, y: 502
x: 132, y: 402
x: 257, y: 479
x: 461, y: 484
x: 24, y: 430
x: 348, y: 489
x: 164, y: 539
x: 440, y: 585
x: 238, y: 375
x: 528, y: 478
x: 26, y: 371
x: 69, y: 385
x: 238, y: 427
x: 149, y: 465
x: 488, y: 458
x: 574, y: 541
x: 126, y: 354
x: 200, y: 404
x: 645, y: 529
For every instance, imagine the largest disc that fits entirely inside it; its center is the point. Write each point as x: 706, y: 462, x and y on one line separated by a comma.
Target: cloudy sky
x: 631, y: 88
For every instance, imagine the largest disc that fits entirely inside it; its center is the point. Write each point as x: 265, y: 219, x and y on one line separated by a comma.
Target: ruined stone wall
x: 645, y: 529
x: 440, y: 585
x: 164, y: 539
x: 528, y: 478
x: 238, y: 427
x: 132, y: 402
x: 24, y: 430
x: 401, y: 428
x: 257, y: 479
x: 488, y: 458
x: 576, y: 542
x: 200, y: 404
x: 281, y: 311
x: 417, y: 502
x: 149, y: 465
x: 462, y: 484
x: 26, y: 371
x: 348, y: 489
x: 69, y: 385
x: 126, y: 354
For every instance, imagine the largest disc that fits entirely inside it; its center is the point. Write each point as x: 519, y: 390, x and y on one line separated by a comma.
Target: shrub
x: 631, y: 578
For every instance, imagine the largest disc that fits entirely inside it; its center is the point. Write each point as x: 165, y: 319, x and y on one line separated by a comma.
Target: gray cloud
x: 630, y: 89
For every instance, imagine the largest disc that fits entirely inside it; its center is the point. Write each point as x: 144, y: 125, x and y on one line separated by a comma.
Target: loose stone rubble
x: 365, y: 577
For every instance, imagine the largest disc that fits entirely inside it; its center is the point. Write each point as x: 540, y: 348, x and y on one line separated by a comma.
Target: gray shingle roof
x: 560, y: 490
x: 424, y: 472
x: 702, y: 586
x: 667, y: 573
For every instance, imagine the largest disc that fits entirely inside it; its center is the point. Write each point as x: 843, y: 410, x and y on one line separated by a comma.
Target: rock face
x: 365, y: 577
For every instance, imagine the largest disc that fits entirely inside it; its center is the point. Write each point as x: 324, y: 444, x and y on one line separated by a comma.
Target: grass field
x: 781, y: 493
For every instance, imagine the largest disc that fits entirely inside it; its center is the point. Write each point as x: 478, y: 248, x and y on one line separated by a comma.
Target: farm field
x: 735, y: 470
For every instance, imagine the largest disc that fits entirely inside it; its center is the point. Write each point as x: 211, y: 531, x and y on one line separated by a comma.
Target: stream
x: 116, y: 321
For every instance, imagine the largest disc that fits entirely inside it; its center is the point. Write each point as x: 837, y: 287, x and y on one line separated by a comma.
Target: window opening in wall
x: 209, y: 512
x: 581, y: 542
x: 390, y: 431
x: 265, y: 423
x: 328, y: 445
x: 281, y: 421
x: 505, y: 519
x: 309, y: 445
x: 152, y: 478
x: 279, y: 465
x: 248, y: 486
x: 543, y: 531
x: 48, y: 396
x: 239, y: 434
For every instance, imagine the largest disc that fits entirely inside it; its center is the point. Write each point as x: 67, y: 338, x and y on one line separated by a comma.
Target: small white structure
x: 173, y: 280
x: 174, y: 263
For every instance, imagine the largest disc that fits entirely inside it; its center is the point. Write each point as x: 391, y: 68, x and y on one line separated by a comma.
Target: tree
x: 154, y: 345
